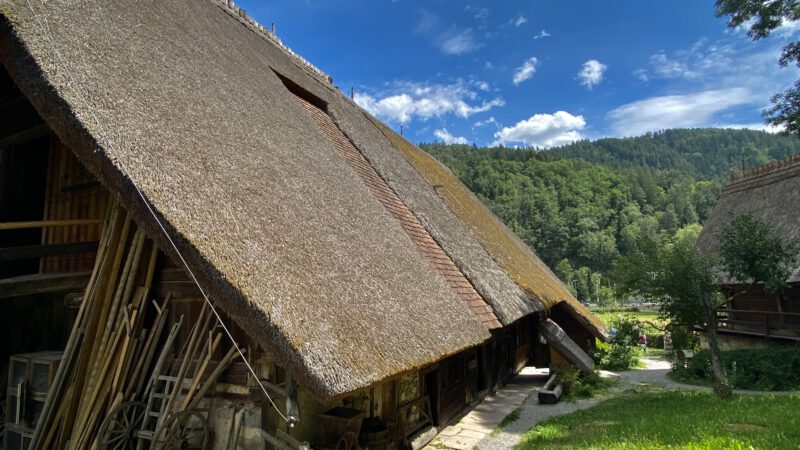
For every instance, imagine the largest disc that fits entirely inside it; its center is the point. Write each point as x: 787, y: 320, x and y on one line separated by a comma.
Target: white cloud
x: 525, y: 71
x: 519, y: 21
x: 452, y: 40
x: 488, y: 65
x: 759, y: 126
x: 788, y: 29
x: 403, y: 101
x: 591, y: 73
x: 542, y: 34
x: 490, y: 121
x: 482, y: 85
x: 447, y: 138
x: 709, y: 83
x: 664, y: 67
x: 543, y: 130
x: 676, y: 111
x: 457, y: 41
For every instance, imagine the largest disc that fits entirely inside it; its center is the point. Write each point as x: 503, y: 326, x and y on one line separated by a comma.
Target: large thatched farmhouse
x: 772, y: 194
x: 156, y: 153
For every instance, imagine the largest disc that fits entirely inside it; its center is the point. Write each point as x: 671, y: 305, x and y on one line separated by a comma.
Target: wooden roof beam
x: 43, y: 283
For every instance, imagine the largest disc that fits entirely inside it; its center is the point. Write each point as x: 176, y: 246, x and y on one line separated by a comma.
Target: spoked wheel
x: 187, y: 430
x: 118, y: 431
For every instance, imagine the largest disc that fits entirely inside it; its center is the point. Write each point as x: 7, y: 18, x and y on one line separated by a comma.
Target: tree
x: 764, y: 16
x: 686, y: 281
x: 752, y: 253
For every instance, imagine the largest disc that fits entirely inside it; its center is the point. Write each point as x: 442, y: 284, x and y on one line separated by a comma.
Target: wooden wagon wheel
x: 118, y: 431
x: 187, y: 430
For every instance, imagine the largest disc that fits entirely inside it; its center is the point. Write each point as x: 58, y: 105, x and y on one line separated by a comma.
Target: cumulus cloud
x: 482, y: 85
x: 591, y: 73
x: 451, y: 40
x: 525, y: 71
x: 676, y: 111
x: 542, y: 34
x: 403, y: 101
x: 445, y: 136
x: 457, y: 41
x: 519, y: 21
x: 665, y: 67
x: 490, y: 121
x: 543, y: 130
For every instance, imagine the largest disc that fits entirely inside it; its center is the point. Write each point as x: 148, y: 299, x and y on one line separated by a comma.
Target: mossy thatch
x: 513, y: 255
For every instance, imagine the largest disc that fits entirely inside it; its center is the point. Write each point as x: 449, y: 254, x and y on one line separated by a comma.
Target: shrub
x: 682, y: 337
x: 627, y: 331
x: 621, y: 353
x: 615, y: 356
x: 655, y: 340
x: 580, y: 384
x: 770, y: 369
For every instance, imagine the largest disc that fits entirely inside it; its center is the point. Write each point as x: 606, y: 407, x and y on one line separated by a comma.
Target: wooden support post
x: 47, y: 223
x: 292, y: 408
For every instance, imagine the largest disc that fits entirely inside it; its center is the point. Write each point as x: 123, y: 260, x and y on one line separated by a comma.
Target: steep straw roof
x: 182, y: 103
x: 501, y: 244
x: 187, y: 106
x: 770, y: 193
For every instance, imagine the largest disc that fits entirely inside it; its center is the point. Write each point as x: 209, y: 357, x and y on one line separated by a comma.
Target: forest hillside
x: 583, y: 205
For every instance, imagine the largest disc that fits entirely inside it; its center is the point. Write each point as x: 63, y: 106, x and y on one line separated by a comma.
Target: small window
x: 299, y: 91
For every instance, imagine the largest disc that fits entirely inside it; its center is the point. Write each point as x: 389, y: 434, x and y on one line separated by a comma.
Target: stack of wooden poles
x: 117, y: 346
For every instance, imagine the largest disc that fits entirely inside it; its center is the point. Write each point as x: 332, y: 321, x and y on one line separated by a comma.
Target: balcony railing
x: 760, y: 323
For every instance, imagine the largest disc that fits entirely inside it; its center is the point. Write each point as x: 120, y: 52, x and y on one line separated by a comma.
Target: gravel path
x: 474, y: 429
x: 654, y: 374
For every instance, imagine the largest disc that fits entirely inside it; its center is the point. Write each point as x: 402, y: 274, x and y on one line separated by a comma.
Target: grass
x: 512, y: 417
x: 659, y: 420
x: 649, y: 316
x: 681, y: 376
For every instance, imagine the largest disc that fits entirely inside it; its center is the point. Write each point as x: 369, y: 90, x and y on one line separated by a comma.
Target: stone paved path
x: 481, y: 420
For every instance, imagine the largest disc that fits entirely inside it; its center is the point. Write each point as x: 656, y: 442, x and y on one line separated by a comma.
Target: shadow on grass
x: 650, y: 418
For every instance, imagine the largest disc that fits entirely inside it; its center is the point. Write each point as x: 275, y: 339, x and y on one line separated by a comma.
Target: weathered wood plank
x: 47, y: 223
x: 564, y: 345
x: 37, y: 251
x: 43, y: 283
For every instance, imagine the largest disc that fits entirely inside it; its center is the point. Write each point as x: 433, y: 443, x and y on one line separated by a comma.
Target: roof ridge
x: 765, y: 169
x: 237, y: 11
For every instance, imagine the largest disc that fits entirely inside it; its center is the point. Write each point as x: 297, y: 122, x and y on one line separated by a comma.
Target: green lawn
x: 651, y: 316
x: 659, y: 420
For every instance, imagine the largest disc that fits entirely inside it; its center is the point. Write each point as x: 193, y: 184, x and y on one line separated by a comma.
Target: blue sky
x: 536, y: 73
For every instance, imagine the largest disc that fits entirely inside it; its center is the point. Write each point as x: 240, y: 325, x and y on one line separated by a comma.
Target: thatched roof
x: 512, y: 263
x: 770, y: 193
x: 187, y: 105
x: 181, y: 102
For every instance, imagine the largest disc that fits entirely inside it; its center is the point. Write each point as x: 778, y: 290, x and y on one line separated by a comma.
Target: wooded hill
x: 582, y: 205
